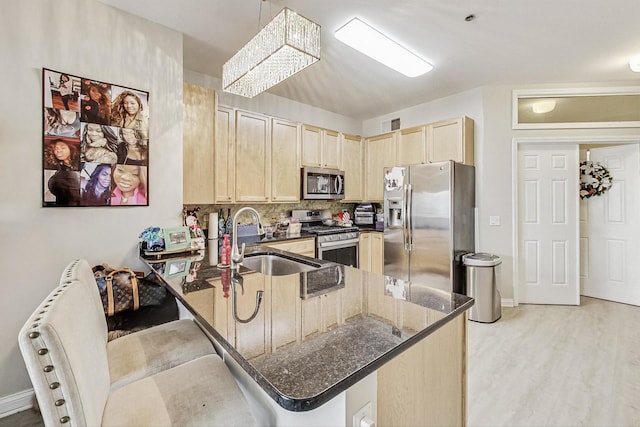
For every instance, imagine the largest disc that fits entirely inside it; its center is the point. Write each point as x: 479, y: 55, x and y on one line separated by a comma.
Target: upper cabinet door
x: 320, y: 147
x: 353, y: 166
x: 224, y: 150
x: 311, y: 146
x: 330, y: 149
x: 380, y: 153
x: 412, y: 146
x: 451, y: 140
x: 252, y: 160
x: 197, y: 144
x: 285, y: 167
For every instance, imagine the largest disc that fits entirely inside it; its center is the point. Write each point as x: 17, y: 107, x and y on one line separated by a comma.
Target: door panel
x: 610, y: 229
x: 548, y: 224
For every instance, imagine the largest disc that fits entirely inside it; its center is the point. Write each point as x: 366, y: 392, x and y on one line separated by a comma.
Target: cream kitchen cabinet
x: 371, y: 251
x: 352, y: 164
x: 331, y: 149
x: 285, y: 165
x: 364, y: 251
x: 380, y: 152
x: 451, y: 140
x: 224, y: 154
x: 320, y: 147
x: 412, y: 146
x: 377, y: 252
x: 306, y: 247
x: 198, y: 144
x: 252, y: 161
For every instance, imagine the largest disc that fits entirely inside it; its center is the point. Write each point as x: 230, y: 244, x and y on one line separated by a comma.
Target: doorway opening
x: 564, y: 247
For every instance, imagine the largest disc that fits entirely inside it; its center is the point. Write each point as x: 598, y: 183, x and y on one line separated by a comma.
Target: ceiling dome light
x: 634, y: 63
x: 542, y: 107
x: 366, y: 39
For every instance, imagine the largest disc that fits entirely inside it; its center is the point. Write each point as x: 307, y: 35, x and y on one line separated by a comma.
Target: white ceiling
x: 508, y: 42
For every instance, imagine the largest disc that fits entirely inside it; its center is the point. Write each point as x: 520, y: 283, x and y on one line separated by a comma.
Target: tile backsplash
x: 271, y: 212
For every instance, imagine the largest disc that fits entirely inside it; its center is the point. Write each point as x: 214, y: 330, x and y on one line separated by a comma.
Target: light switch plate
x: 494, y: 220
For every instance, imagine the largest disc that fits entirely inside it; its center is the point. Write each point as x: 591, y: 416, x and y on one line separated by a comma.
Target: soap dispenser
x: 225, y: 253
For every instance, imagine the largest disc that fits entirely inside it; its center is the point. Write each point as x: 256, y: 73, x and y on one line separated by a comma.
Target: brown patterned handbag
x: 121, y: 289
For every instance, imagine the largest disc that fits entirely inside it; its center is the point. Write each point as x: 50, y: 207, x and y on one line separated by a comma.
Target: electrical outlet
x: 494, y: 220
x: 364, y: 412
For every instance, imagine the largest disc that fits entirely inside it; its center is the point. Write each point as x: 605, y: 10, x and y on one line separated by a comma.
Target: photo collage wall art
x: 95, y: 145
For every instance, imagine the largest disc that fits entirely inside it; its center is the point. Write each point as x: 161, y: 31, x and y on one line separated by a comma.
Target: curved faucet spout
x: 236, y: 279
x: 237, y: 256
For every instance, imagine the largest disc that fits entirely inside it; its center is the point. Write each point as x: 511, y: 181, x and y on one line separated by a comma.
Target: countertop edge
x: 302, y: 405
x: 311, y: 403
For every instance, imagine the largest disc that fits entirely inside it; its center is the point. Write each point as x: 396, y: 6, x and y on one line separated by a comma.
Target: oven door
x: 342, y: 252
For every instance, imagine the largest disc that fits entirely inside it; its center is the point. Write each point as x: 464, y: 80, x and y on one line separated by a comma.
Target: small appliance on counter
x: 364, y: 214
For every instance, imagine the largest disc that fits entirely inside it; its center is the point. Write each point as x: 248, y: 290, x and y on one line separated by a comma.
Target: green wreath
x: 595, y: 179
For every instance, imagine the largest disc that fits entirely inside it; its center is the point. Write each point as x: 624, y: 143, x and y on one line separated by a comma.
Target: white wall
x: 467, y: 103
x: 89, y: 39
x: 277, y: 106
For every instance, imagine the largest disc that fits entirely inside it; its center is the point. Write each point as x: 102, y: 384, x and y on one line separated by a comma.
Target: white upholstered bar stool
x: 64, y: 345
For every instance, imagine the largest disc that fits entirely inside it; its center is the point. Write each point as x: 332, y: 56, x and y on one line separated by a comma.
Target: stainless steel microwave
x: 322, y: 184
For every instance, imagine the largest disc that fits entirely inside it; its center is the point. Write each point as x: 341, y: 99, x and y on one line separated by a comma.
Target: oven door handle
x: 341, y: 243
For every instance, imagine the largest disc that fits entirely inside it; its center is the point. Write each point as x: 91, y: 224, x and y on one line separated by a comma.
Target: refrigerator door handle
x: 408, y: 238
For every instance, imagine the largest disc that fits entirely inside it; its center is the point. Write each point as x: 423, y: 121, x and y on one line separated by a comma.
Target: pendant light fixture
x: 286, y: 45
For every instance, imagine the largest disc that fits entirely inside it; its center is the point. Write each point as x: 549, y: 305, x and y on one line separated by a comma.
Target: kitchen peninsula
x: 323, y: 346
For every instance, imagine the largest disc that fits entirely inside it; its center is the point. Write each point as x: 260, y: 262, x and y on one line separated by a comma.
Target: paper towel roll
x: 213, y: 252
x: 213, y: 226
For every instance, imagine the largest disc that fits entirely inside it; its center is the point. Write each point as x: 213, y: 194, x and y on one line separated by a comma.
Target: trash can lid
x: 481, y: 259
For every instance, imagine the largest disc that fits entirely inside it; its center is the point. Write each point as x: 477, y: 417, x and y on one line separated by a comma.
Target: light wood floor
x: 556, y: 366
x: 544, y: 366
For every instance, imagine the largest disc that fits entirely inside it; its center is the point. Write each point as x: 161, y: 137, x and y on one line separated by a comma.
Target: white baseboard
x: 17, y: 402
x: 507, y: 302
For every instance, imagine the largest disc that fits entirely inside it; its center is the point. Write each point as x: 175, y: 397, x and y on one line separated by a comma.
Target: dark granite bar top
x: 314, y: 334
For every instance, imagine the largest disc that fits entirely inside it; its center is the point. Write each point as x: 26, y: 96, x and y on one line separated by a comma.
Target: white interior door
x: 548, y: 204
x: 610, y: 229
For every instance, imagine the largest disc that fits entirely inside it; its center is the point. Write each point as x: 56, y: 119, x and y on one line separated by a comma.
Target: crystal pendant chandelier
x: 286, y: 45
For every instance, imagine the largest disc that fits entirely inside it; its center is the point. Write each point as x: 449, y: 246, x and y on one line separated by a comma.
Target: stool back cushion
x: 64, y: 347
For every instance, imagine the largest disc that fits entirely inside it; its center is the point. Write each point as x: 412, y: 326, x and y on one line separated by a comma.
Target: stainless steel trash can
x: 483, y: 281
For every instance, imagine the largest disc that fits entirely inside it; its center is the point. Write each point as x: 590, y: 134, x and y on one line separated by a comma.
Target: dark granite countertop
x: 315, y: 334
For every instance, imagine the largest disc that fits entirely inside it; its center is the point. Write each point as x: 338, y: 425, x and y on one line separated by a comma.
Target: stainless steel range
x: 333, y: 243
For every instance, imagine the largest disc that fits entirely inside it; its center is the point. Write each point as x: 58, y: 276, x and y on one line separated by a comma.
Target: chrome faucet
x: 238, y: 256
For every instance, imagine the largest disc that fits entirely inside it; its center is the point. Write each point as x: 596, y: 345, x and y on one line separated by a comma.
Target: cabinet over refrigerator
x: 429, y: 215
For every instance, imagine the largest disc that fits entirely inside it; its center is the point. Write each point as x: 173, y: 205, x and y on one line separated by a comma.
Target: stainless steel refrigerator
x: 429, y: 215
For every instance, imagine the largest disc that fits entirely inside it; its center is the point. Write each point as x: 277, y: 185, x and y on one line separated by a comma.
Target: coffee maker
x: 364, y: 214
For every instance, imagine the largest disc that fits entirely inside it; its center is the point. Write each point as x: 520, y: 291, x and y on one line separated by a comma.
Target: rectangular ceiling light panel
x: 366, y: 39
x: 286, y: 45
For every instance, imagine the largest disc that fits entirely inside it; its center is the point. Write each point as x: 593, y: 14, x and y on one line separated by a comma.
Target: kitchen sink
x: 276, y: 264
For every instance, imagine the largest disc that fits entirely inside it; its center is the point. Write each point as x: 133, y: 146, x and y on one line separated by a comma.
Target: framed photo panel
x: 176, y: 239
x: 95, y: 143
